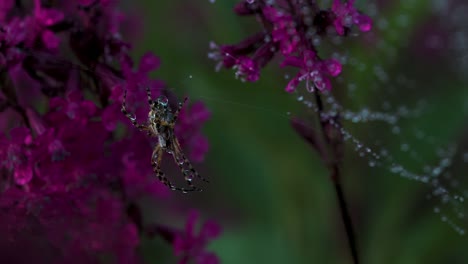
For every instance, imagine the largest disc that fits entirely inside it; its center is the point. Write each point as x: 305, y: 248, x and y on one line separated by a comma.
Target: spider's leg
x: 184, y: 164
x: 148, y: 94
x: 188, y: 176
x: 132, y: 118
x: 156, y: 164
x: 181, y: 104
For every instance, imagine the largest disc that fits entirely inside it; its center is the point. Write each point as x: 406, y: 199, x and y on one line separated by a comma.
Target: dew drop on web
x: 396, y: 119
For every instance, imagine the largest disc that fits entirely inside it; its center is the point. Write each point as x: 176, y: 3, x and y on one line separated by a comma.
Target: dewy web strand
x: 383, y: 158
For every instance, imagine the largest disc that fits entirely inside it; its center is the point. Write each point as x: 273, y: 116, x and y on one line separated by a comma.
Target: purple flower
x: 148, y: 63
x: 347, y: 15
x: 132, y: 161
x: 43, y: 19
x: 189, y: 245
x: 72, y: 164
x: 284, y: 30
x: 312, y: 69
x: 5, y: 7
x: 188, y: 130
x: 235, y: 56
x: 17, y: 155
x: 106, y: 229
x: 136, y: 81
x: 12, y: 34
x: 246, y: 69
x: 290, y: 27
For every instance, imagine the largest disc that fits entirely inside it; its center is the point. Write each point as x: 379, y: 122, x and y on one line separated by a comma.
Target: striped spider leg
x: 160, y: 124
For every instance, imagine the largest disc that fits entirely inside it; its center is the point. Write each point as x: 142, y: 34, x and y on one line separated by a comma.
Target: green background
x: 269, y: 190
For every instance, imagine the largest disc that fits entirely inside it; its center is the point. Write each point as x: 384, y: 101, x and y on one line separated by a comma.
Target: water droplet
x: 396, y: 168
x: 404, y: 147
x: 162, y: 100
x: 465, y: 157
x: 445, y: 199
x: 445, y: 163
x: 436, y: 171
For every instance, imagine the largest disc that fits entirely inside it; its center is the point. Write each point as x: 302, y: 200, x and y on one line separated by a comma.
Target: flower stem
x: 345, y: 216
x: 335, y: 176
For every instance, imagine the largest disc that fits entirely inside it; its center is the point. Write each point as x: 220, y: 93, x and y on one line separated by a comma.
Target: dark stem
x: 23, y: 115
x: 345, y: 216
x: 335, y: 176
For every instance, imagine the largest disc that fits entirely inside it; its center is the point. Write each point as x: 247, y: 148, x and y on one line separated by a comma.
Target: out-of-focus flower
x: 12, y: 34
x: 5, y: 7
x: 346, y: 15
x: 72, y: 166
x: 188, y: 130
x: 190, y: 244
x: 43, y: 18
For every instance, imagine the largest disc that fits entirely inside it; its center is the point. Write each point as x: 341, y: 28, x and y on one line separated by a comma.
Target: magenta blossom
x: 290, y: 29
x: 74, y: 170
x: 313, y: 70
x: 347, y: 15
x: 284, y: 32
x: 188, y: 130
x: 190, y: 244
x: 43, y: 19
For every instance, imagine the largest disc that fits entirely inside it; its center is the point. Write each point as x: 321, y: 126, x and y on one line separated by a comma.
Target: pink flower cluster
x: 290, y: 28
x: 73, y: 169
x: 189, y: 245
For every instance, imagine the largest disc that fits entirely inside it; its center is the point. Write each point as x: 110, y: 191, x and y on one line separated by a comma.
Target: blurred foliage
x: 268, y: 189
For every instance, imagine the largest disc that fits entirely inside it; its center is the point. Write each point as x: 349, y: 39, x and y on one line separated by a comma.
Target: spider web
x: 398, y: 136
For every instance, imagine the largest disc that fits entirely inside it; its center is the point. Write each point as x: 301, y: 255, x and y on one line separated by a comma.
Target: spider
x: 160, y: 124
